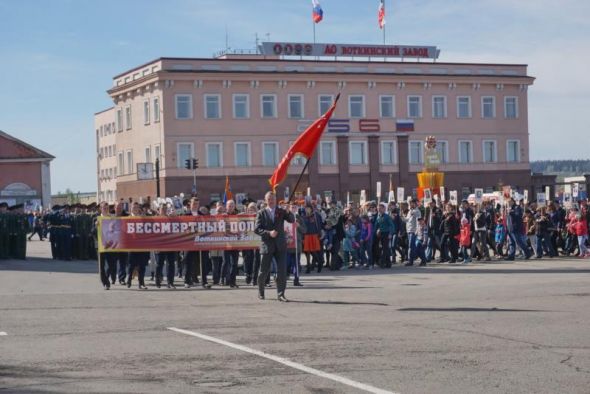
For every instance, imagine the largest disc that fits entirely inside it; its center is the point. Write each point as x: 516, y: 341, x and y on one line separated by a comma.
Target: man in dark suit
x: 270, y: 227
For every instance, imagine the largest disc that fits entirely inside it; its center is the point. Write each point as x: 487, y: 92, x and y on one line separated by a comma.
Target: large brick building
x: 238, y: 114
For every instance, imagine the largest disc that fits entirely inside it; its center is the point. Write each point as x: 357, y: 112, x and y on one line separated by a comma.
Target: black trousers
x: 137, y: 260
x: 230, y: 266
x: 196, y: 263
x: 265, y: 263
x: 384, y: 258
x: 169, y: 258
x: 105, y: 261
x: 122, y: 258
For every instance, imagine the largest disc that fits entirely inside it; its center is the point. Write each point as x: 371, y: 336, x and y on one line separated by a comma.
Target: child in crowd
x: 421, y: 240
x: 500, y: 236
x: 581, y: 229
x: 349, y: 245
x: 366, y: 241
x: 465, y: 240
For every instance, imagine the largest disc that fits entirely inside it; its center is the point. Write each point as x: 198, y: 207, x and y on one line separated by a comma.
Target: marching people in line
x: 137, y: 260
x: 383, y: 234
x: 270, y: 227
x: 411, y: 219
x: 120, y: 257
x: 165, y: 257
x: 107, y: 261
x: 195, y: 262
x: 230, y: 257
x: 294, y: 253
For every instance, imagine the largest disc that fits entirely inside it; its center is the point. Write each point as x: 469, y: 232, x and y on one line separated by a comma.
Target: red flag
x: 304, y: 145
x: 228, y: 195
x: 381, y: 14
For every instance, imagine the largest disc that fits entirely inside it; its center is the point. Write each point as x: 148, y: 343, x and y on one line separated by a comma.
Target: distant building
x: 80, y: 198
x: 24, y: 173
x: 238, y: 115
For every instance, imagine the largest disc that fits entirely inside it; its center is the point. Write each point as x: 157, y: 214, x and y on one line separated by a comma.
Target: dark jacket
x: 265, y: 224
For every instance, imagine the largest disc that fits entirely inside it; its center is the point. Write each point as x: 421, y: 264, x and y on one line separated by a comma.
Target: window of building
x: 130, y: 162
x: 327, y: 153
x: 488, y: 107
x: 511, y: 107
x: 242, y: 152
x: 156, y: 152
x: 241, y: 104
x: 148, y: 154
x: 268, y: 106
x: 296, y: 106
x: 156, y: 109
x: 513, y: 151
x: 128, y: 117
x: 415, y: 154
x: 212, y: 106
x: 439, y: 107
x: 120, y: 119
x: 464, y: 107
x: 442, y: 148
x: 120, y: 164
x: 110, y: 150
x: 270, y: 154
x: 184, y: 106
x: 356, y: 106
x: 387, y: 106
x: 414, y: 106
x: 324, y: 103
x: 101, y: 131
x: 358, y: 152
x: 489, y: 151
x: 184, y: 151
x: 146, y: 112
x: 465, y: 152
x: 387, y: 152
x: 214, y: 155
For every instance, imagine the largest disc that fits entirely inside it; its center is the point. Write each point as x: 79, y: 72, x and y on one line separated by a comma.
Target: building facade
x: 238, y: 115
x: 24, y: 173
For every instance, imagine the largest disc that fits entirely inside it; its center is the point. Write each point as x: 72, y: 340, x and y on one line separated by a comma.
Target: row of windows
x: 106, y: 129
x: 108, y: 173
x: 356, y: 106
x: 465, y: 151
x: 107, y: 151
x: 358, y: 153
x: 151, y: 113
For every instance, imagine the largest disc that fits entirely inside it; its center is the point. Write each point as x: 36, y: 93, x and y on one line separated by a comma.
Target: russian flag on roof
x: 317, y: 13
x: 404, y: 125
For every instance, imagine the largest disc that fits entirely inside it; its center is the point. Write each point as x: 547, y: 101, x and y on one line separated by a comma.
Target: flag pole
x: 384, y: 22
x: 298, y: 181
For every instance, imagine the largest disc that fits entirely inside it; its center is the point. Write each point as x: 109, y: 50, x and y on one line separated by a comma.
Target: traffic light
x: 187, y: 164
x: 195, y: 163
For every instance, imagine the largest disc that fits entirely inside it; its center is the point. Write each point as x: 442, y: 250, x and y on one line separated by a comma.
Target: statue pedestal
x: 430, y: 180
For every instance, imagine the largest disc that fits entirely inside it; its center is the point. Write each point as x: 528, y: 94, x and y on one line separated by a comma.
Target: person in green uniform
x: 4, y: 235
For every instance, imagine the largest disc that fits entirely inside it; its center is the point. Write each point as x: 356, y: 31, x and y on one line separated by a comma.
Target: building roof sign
x: 348, y: 50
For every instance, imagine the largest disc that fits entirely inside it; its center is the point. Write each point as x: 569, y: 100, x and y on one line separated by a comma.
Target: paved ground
x: 488, y: 328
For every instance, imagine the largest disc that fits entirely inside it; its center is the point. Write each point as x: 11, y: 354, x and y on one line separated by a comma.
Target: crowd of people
x: 329, y: 236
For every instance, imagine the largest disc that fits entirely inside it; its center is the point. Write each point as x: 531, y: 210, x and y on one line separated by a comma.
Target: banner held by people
x: 136, y: 234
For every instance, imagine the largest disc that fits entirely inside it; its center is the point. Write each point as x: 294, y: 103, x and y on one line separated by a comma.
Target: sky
x: 58, y: 57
